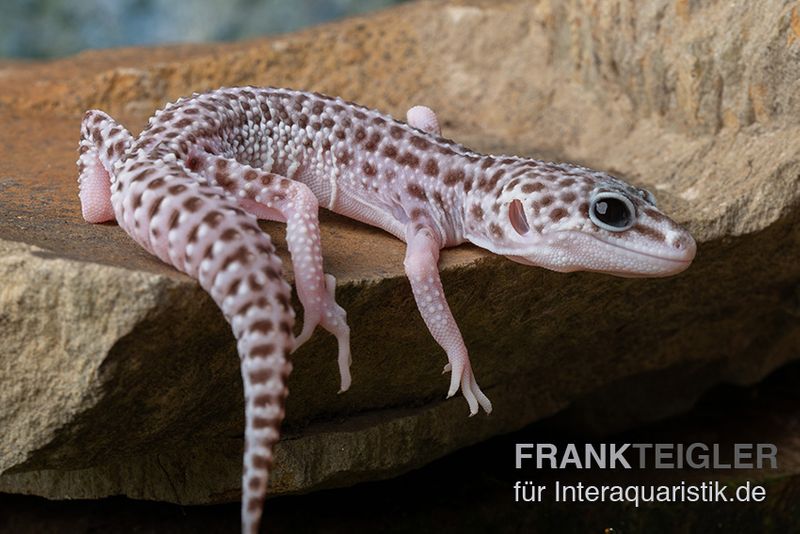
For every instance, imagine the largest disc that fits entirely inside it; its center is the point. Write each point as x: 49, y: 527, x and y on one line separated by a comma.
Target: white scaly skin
x: 190, y: 187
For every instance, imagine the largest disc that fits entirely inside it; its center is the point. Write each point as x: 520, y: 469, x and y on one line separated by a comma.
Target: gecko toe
x: 466, y: 389
x: 483, y: 400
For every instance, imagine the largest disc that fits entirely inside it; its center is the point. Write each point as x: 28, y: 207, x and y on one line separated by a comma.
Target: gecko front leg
x: 421, y: 266
x: 273, y: 197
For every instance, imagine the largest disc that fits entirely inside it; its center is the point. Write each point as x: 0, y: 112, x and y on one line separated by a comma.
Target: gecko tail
x: 103, y: 142
x: 264, y: 376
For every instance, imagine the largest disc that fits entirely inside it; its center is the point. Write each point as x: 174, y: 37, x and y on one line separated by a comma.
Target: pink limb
x: 424, y: 118
x: 274, y: 197
x: 102, y: 142
x: 422, y: 257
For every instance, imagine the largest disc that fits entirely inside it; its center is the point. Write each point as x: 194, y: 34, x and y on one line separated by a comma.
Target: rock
x: 119, y: 376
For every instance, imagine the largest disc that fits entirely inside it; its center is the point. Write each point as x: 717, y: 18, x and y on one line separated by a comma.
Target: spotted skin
x: 190, y: 187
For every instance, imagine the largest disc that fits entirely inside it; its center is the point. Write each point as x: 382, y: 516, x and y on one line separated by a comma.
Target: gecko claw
x: 447, y: 368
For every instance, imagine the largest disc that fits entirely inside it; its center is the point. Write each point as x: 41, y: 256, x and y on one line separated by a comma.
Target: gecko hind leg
x: 102, y: 143
x: 424, y: 118
x: 274, y: 197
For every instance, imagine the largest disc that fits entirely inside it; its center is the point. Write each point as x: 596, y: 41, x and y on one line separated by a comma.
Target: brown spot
x: 408, y: 159
x: 568, y: 197
x: 467, y: 185
x: 183, y: 123
x: 379, y: 121
x: 584, y: 209
x: 390, y: 151
x: 259, y: 462
x: 242, y: 255
x: 193, y: 163
x: 372, y: 142
x: 264, y: 399
x: 546, y: 200
x: 251, y: 175
x: 155, y: 184
x: 652, y: 233
x: 368, y: 168
x: 173, y: 219
x: 193, y: 204
x: 496, y: 230
x: 566, y: 182
x: 262, y: 351
x: 327, y: 122
x: 416, y: 213
x: 416, y: 191
x: 454, y: 176
x: 532, y: 187
x: 420, y: 143
x: 656, y: 215
x: 213, y: 218
x: 263, y: 326
x: 360, y: 134
x: 229, y: 235
x: 272, y: 273
x: 223, y: 179
x: 494, y: 179
x: 359, y: 115
x: 137, y: 201
x: 283, y: 300
x: 345, y: 156
x: 254, y: 483
x: 487, y: 162
x: 396, y: 132
x: 318, y: 108
x: 154, y: 207
x: 431, y: 167
x: 477, y: 212
x: 558, y: 214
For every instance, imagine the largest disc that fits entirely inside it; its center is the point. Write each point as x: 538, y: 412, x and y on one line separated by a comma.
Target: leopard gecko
x: 191, y: 186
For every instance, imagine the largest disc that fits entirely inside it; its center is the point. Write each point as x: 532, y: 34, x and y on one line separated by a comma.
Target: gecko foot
x: 465, y: 378
x: 326, y: 312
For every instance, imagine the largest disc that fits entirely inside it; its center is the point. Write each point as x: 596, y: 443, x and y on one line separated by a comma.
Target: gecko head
x: 569, y: 218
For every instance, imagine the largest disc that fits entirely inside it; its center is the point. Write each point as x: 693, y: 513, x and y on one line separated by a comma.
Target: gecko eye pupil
x: 612, y: 211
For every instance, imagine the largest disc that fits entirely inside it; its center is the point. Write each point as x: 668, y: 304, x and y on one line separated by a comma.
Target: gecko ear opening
x: 517, y: 218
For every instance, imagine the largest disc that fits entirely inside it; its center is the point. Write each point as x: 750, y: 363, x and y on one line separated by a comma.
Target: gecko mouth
x: 610, y: 259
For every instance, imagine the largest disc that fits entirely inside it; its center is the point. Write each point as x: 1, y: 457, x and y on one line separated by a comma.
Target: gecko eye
x: 516, y: 216
x: 612, y: 211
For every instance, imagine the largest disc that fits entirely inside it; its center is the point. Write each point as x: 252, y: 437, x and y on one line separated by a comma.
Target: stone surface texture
x: 119, y: 376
